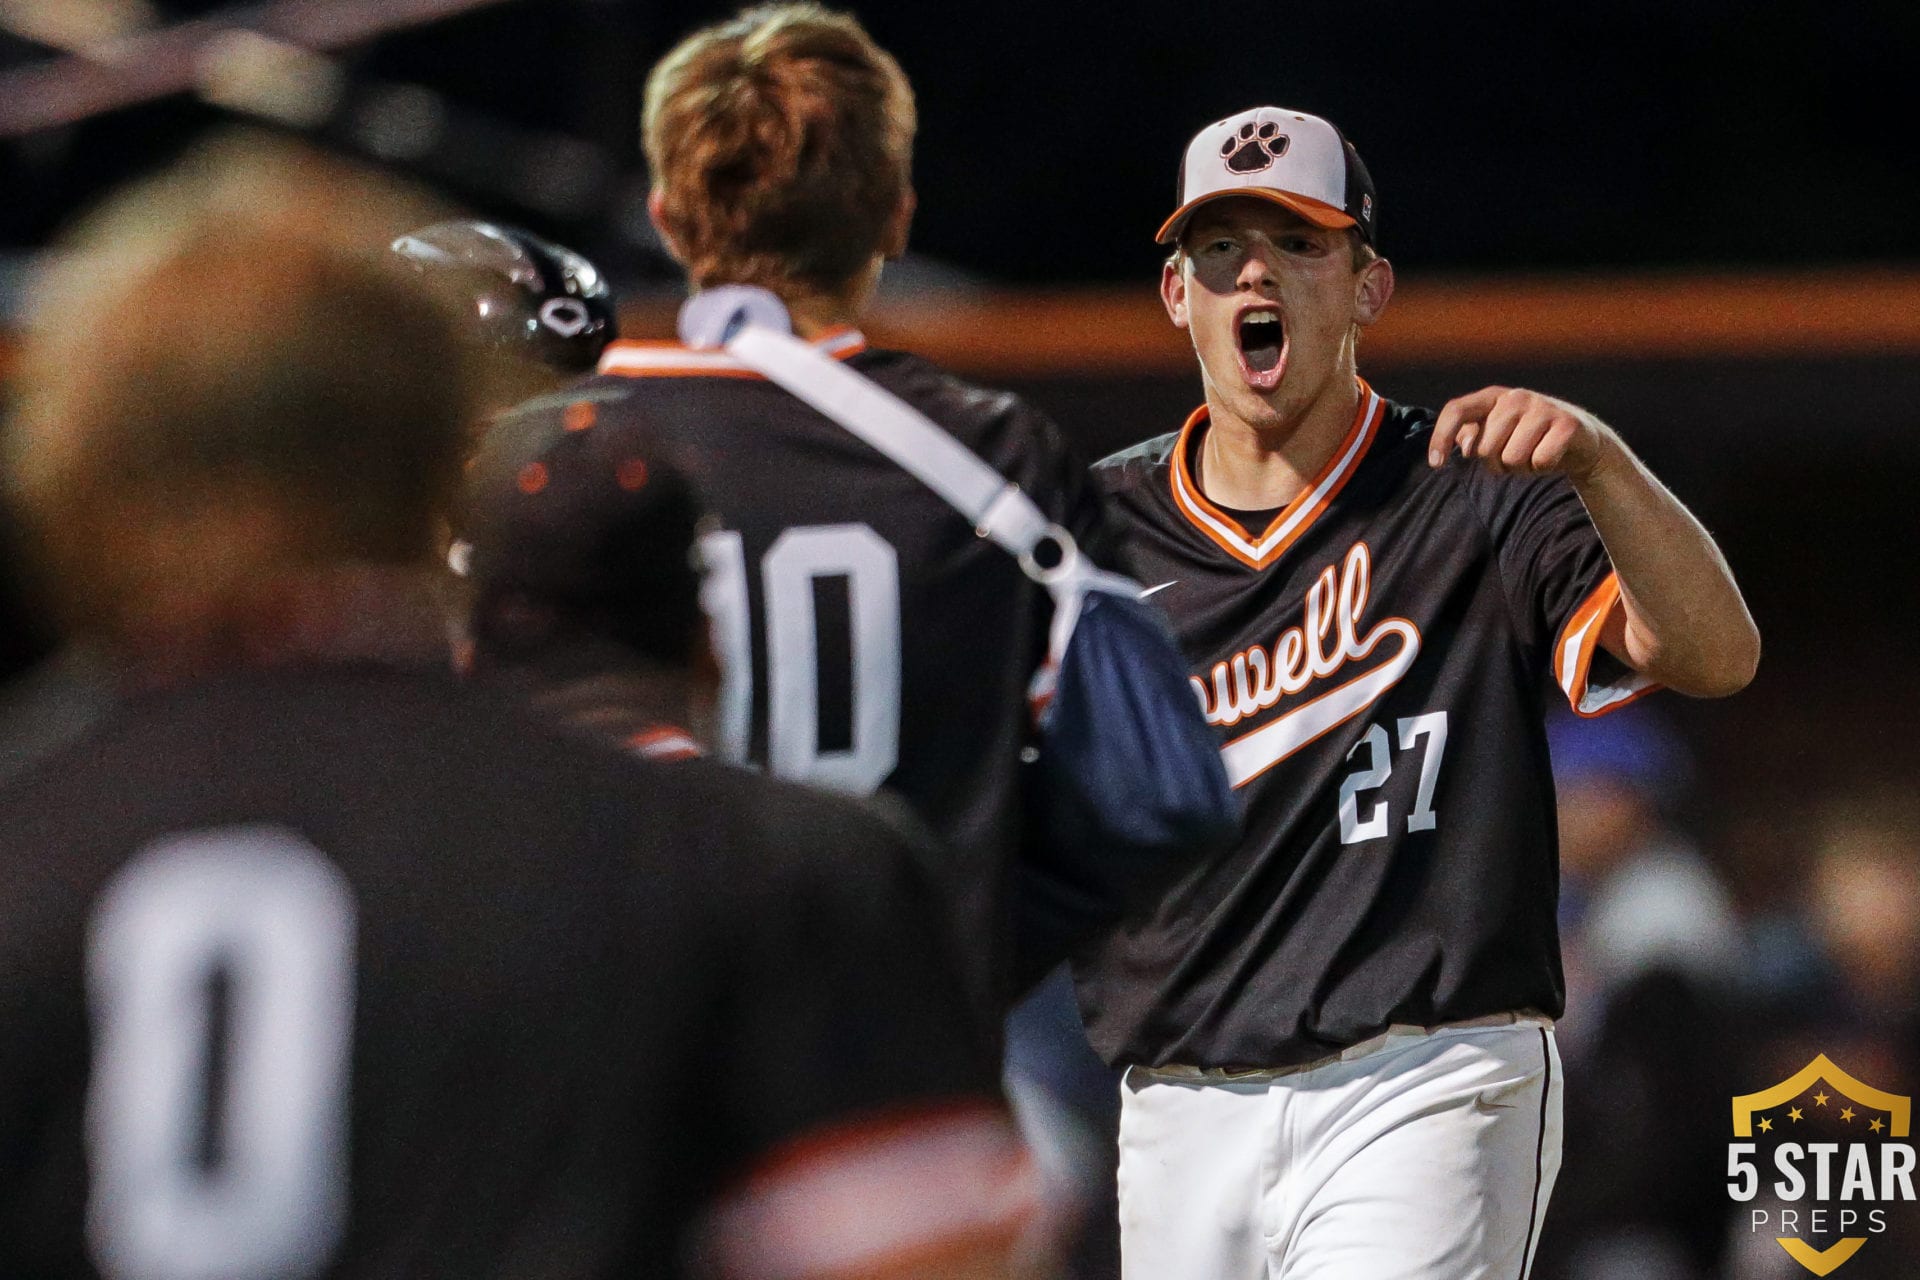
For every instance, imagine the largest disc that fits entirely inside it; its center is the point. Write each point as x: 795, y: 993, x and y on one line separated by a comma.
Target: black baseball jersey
x: 1377, y: 660
x: 351, y: 971
x: 868, y: 637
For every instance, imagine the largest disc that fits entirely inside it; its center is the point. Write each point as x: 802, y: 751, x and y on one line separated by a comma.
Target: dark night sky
x: 1503, y: 134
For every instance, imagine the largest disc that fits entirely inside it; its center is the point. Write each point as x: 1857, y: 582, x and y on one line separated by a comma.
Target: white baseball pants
x: 1418, y: 1155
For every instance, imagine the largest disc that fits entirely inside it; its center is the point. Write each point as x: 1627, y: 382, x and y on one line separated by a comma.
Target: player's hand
x: 1513, y: 430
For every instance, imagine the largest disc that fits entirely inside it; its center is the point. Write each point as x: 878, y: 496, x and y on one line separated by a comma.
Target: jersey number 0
x: 220, y: 974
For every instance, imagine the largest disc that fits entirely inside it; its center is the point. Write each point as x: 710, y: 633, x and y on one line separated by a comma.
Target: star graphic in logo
x: 1846, y: 1113
x: 1766, y: 1125
x: 1820, y: 1099
x: 1876, y: 1126
x: 1794, y: 1114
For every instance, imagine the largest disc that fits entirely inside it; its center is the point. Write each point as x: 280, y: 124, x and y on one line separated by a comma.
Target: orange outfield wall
x: 1433, y: 320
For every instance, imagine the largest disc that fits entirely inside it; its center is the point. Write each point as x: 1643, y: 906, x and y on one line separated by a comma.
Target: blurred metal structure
x: 142, y: 66
x: 74, y: 25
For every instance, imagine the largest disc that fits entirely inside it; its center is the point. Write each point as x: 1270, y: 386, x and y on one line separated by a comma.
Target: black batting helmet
x: 547, y: 303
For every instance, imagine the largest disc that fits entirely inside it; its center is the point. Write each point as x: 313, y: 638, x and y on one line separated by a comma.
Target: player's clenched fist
x: 1511, y: 429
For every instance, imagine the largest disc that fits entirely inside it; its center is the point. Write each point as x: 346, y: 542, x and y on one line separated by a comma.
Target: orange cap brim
x: 1318, y: 212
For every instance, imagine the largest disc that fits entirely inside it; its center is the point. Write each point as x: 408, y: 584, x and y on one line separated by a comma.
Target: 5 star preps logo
x: 1825, y: 1156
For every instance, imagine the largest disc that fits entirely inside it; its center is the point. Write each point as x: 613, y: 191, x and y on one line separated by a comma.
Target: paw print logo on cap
x: 1254, y: 147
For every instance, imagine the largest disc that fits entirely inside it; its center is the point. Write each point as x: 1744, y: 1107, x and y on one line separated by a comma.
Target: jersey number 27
x: 1356, y: 827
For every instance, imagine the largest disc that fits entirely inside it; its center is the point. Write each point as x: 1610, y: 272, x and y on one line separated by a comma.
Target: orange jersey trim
x: 632, y: 359
x: 664, y: 742
x: 876, y: 1196
x: 1575, y: 647
x: 1298, y: 516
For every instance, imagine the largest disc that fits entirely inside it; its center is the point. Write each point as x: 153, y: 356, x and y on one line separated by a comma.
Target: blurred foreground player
x: 48, y: 694
x: 1340, y: 1034
x: 317, y: 963
x: 868, y: 638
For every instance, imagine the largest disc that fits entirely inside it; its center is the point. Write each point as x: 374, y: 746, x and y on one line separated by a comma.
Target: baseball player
x: 1340, y: 1035
x: 868, y: 638
x: 316, y: 962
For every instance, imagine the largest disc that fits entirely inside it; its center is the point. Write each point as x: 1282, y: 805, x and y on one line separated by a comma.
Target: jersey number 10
x: 798, y: 560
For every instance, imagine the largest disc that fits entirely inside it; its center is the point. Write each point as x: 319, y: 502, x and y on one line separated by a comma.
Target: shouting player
x: 316, y: 962
x: 1339, y: 1035
x: 868, y: 638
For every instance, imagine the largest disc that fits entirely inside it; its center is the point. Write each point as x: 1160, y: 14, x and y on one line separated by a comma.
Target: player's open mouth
x: 1261, y: 338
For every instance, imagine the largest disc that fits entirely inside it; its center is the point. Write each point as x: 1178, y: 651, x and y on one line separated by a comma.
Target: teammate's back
x: 316, y: 963
x: 868, y: 636
x: 384, y: 979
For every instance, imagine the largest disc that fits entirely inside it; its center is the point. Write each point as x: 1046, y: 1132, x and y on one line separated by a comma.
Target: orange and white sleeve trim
x: 876, y: 1198
x: 1573, y: 656
x: 672, y: 360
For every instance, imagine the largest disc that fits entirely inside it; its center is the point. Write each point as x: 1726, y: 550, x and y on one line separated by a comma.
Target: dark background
x: 1503, y: 134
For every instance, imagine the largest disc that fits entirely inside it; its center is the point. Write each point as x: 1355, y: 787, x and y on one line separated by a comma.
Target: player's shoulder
x: 1488, y: 501
x: 775, y: 849
x: 1002, y: 428
x: 638, y: 373
x: 1131, y: 467
x: 799, y: 831
x: 397, y: 715
x: 1400, y: 447
x: 369, y: 726
x: 979, y: 416
x: 1394, y: 432
x: 661, y: 382
x: 1403, y: 424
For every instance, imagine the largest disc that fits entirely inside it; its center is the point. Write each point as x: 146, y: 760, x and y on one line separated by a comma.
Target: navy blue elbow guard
x: 1129, y: 789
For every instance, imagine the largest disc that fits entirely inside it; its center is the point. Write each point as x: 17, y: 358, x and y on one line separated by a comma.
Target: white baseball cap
x: 1288, y: 157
